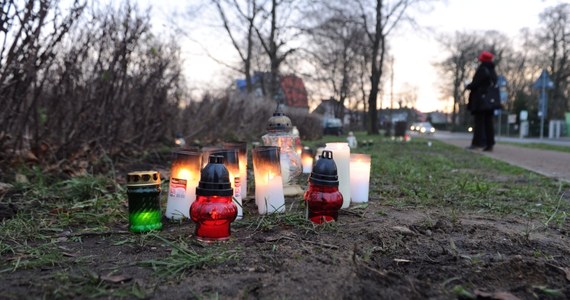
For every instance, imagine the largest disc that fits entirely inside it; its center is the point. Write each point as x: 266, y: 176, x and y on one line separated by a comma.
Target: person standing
x: 485, y: 76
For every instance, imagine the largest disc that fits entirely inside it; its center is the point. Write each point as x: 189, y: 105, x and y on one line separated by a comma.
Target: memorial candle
x: 269, y: 195
x: 359, y: 177
x: 184, y: 177
x: 307, y: 160
x: 341, y: 156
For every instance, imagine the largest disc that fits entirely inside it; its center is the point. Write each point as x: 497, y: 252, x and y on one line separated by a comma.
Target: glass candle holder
x: 143, y: 191
x: 269, y: 195
x: 184, y: 177
x: 359, y: 177
x: 231, y: 162
x: 213, y: 211
x: 280, y: 134
x: 243, y: 162
x: 341, y: 158
x: 290, y: 160
x: 322, y: 197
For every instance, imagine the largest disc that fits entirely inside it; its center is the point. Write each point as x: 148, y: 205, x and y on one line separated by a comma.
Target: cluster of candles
x: 208, y: 186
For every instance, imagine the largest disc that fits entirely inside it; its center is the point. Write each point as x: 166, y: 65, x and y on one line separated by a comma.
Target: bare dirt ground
x: 378, y: 252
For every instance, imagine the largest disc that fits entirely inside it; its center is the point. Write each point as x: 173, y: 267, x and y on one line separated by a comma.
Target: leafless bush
x: 97, y: 79
x: 82, y: 85
x: 239, y: 117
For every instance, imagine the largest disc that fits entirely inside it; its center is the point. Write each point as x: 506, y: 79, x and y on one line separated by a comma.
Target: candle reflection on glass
x: 359, y: 177
x: 269, y: 195
x: 184, y: 177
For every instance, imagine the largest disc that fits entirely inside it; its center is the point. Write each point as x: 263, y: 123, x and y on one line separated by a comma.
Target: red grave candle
x: 323, y: 198
x: 213, y: 211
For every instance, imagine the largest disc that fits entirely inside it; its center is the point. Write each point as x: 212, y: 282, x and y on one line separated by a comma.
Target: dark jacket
x: 484, y: 77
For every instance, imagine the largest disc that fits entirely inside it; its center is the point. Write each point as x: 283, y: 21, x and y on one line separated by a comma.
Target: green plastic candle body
x: 143, y: 191
x: 144, y: 209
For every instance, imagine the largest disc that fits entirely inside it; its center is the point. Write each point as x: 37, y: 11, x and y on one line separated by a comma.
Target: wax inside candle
x: 360, y: 177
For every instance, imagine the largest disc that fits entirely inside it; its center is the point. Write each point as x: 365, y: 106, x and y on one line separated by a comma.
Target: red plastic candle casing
x: 213, y: 211
x: 213, y: 215
x: 323, y: 199
x: 323, y: 203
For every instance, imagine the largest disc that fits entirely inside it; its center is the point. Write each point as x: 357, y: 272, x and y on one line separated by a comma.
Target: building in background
x: 291, y: 91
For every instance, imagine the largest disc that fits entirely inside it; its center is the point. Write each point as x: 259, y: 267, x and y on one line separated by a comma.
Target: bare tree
x: 457, y: 68
x: 91, y: 79
x: 245, y: 18
x: 274, y: 37
x: 337, y: 50
x: 379, y: 22
x: 463, y: 49
x: 555, y: 36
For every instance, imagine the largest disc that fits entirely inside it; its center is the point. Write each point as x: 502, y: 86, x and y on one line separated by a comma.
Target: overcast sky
x: 414, y: 51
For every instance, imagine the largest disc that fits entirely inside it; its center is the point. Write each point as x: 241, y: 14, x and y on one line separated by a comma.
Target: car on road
x: 422, y: 128
x: 332, y: 126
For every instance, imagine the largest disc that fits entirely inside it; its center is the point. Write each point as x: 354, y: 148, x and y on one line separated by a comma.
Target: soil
x: 377, y: 252
x: 372, y: 252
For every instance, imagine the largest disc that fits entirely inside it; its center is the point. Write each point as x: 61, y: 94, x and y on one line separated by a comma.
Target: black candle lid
x: 324, y: 172
x: 214, y: 179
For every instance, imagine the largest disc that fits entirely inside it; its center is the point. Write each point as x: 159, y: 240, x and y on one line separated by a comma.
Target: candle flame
x: 184, y: 173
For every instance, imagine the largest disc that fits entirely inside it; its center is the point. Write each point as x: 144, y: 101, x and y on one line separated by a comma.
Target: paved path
x: 553, y: 164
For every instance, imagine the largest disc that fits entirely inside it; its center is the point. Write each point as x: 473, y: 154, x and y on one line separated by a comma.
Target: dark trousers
x: 483, y: 130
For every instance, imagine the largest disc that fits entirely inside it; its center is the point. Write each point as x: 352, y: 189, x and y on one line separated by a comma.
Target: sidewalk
x: 553, y: 164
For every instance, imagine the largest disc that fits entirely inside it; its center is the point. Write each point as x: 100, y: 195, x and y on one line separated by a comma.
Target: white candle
x: 307, y: 162
x: 359, y: 177
x: 269, y: 195
x: 267, y: 166
x: 341, y: 157
x: 181, y: 193
x: 272, y: 198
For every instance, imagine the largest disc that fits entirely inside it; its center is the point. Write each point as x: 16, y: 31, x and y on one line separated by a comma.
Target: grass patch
x: 26, y: 256
x: 437, y: 175
x: 183, y: 259
x: 289, y: 219
x: 422, y: 174
x: 540, y: 146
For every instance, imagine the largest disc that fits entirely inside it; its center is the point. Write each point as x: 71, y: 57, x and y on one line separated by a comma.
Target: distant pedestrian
x: 483, y: 129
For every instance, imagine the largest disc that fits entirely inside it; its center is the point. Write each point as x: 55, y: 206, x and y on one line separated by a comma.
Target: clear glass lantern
x: 279, y: 134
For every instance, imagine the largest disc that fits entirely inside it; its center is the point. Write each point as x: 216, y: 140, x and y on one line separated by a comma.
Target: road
x: 553, y: 164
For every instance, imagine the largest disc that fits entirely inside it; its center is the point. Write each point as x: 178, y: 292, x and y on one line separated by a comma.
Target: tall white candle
x: 181, y: 194
x: 272, y: 196
x: 359, y: 177
x: 341, y: 157
x: 307, y: 162
x: 267, y: 167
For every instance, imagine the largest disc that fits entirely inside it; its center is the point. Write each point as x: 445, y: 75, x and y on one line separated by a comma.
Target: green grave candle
x: 143, y: 190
